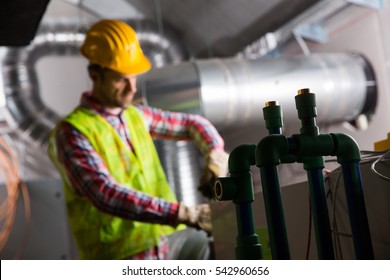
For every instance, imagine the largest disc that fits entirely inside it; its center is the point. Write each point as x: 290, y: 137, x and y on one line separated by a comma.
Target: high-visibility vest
x: 100, y: 235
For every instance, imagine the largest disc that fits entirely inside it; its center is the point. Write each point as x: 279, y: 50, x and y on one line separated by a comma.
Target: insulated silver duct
x: 28, y: 117
x: 20, y: 83
x: 232, y: 92
x: 182, y: 163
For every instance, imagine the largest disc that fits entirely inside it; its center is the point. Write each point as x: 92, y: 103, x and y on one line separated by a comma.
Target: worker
x: 118, y: 200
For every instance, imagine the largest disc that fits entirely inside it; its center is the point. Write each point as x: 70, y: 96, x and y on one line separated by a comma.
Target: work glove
x: 216, y: 166
x: 198, y: 216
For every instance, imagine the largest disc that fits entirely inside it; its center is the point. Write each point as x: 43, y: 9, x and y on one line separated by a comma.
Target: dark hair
x: 95, y: 67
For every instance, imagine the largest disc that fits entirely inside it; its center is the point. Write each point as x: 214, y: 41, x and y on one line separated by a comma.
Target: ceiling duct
x: 20, y: 83
x: 232, y: 92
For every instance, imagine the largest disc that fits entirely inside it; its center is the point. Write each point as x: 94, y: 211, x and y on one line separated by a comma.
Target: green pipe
x: 269, y: 151
x: 308, y: 148
x: 239, y: 188
x: 348, y: 155
x: 305, y: 146
x: 241, y: 158
x: 277, y: 232
x: 305, y: 103
x: 345, y: 147
x: 273, y: 117
x: 311, y: 146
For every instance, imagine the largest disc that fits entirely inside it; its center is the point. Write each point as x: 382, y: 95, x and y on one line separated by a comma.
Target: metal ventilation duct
x: 20, y: 83
x: 232, y: 92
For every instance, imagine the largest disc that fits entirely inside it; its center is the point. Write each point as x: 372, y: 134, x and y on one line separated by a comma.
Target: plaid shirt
x: 90, y: 177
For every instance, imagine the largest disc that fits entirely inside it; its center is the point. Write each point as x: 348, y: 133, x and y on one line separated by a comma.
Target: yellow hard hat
x: 113, y: 44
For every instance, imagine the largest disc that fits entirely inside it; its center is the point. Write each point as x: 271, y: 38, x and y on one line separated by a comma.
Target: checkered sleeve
x: 182, y: 126
x: 90, y: 177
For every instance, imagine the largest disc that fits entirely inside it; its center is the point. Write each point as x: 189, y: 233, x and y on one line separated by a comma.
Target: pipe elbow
x: 270, y: 149
x: 345, y: 148
x: 241, y: 158
x: 225, y: 189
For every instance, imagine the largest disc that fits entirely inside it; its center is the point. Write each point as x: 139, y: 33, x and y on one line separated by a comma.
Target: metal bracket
x: 374, y: 4
x: 314, y: 31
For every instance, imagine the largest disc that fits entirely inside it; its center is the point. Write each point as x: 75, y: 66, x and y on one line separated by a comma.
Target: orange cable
x: 10, y: 169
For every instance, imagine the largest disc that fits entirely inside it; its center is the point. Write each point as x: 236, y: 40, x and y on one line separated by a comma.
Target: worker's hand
x: 216, y: 166
x: 198, y: 216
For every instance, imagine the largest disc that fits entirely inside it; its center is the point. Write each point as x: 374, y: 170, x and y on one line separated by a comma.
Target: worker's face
x: 115, y: 89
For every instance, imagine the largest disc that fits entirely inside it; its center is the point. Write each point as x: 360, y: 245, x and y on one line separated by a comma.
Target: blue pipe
x: 243, y: 211
x: 320, y: 214
x: 357, y: 211
x: 275, y: 217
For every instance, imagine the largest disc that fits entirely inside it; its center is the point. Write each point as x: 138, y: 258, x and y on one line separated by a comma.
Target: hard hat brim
x: 141, y: 67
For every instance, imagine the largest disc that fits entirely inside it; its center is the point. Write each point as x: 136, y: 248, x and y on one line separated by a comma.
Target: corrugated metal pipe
x: 20, y: 83
x: 29, y: 119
